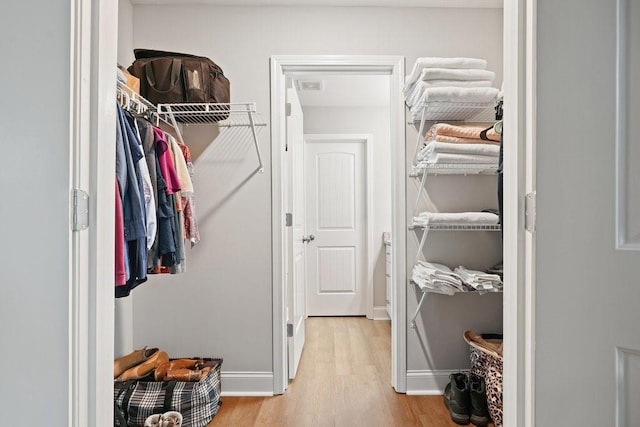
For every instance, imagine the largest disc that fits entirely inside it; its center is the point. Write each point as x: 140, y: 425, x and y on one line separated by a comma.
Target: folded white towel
x: 460, y: 94
x: 416, y: 91
x: 452, y: 74
x: 456, y: 218
x: 454, y: 158
x: 436, y: 278
x: 435, y: 147
x: 479, y: 280
x: 436, y: 62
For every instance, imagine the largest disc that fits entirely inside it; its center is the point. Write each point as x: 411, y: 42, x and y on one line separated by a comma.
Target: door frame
x: 519, y: 309
x: 94, y: 30
x: 367, y: 140
x: 282, y: 66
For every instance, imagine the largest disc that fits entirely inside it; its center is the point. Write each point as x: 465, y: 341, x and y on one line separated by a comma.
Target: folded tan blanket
x: 465, y: 131
x: 458, y: 140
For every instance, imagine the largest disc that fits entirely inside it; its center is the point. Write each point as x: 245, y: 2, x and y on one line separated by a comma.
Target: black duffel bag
x: 171, y: 78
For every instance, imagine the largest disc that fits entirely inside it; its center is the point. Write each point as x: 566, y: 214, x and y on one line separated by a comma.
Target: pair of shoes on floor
x: 466, y: 398
x: 147, y: 361
x: 182, y: 370
x: 168, y: 419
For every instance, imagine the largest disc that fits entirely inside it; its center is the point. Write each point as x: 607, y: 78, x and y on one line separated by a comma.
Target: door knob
x: 309, y: 238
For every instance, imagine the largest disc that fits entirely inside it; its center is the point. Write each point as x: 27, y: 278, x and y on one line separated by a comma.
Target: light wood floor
x: 343, y: 380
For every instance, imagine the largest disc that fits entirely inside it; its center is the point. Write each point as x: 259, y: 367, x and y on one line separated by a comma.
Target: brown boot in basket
x: 144, y: 368
x: 130, y: 360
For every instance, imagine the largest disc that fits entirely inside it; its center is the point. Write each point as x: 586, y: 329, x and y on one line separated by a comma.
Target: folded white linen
x: 436, y: 278
x: 456, y: 218
x: 453, y: 158
x: 435, y: 147
x: 436, y: 62
x: 453, y: 74
x: 415, y: 92
x: 460, y: 94
x: 479, y: 280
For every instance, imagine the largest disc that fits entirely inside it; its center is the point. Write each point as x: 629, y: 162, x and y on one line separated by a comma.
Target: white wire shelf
x: 456, y: 291
x: 454, y: 169
x: 455, y: 111
x: 222, y: 114
x: 425, y: 291
x: 132, y: 101
x: 455, y: 227
x: 238, y: 116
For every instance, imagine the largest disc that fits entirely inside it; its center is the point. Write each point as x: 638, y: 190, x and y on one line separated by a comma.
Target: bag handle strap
x: 175, y: 75
x: 483, y: 134
x: 122, y: 417
x: 168, y: 396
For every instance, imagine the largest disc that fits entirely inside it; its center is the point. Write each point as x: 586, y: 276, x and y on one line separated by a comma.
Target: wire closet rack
x: 235, y: 121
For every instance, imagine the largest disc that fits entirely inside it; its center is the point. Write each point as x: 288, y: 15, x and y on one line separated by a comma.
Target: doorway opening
x: 290, y: 71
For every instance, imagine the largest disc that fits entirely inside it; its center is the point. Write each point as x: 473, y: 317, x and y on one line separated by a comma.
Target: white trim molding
x: 380, y: 313
x: 92, y: 129
x: 246, y: 383
x: 281, y: 67
x: 428, y: 383
x: 518, y: 244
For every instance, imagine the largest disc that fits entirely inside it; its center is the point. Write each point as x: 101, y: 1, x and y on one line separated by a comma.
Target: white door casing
x: 335, y: 169
x: 295, y: 196
x: 283, y: 66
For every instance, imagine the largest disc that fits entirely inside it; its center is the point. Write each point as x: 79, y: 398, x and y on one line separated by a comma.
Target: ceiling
x: 345, y: 91
x: 494, y: 4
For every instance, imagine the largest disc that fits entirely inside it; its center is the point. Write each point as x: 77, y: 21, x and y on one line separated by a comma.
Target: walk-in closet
x: 222, y: 304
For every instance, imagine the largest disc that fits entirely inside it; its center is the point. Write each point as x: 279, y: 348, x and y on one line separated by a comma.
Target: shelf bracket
x: 255, y: 137
x: 419, y: 254
x: 415, y: 314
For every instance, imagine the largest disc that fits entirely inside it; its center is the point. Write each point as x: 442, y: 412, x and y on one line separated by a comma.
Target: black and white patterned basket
x: 197, y: 401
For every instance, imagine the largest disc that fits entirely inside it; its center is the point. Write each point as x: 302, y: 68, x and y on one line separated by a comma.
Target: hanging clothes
x: 133, y: 207
x: 154, y: 210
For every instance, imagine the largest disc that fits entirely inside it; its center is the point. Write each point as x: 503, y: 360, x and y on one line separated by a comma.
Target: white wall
x: 125, y: 33
x: 222, y: 305
x: 35, y: 281
x: 374, y: 121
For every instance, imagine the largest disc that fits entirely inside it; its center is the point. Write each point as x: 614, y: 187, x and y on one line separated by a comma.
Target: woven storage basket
x: 485, y: 352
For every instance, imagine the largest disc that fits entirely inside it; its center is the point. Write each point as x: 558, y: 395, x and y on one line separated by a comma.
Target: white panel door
x: 587, y: 318
x: 336, y: 218
x: 294, y: 200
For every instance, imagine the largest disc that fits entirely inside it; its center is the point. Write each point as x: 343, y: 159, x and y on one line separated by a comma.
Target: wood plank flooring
x: 343, y: 380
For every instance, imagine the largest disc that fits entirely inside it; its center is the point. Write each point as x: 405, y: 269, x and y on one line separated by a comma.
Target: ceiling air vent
x: 316, y: 85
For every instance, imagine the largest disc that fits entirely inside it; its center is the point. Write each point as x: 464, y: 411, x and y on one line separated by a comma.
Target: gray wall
x: 35, y: 113
x: 374, y: 121
x: 222, y: 305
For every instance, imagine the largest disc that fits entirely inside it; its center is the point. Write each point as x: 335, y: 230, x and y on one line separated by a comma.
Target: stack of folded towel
x: 447, y: 144
x: 455, y: 218
x: 438, y: 278
x: 479, y: 280
x: 433, y: 79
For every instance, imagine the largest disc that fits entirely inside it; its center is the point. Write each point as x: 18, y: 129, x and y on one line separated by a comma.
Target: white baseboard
x: 247, y: 383
x: 380, y: 313
x: 428, y: 382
